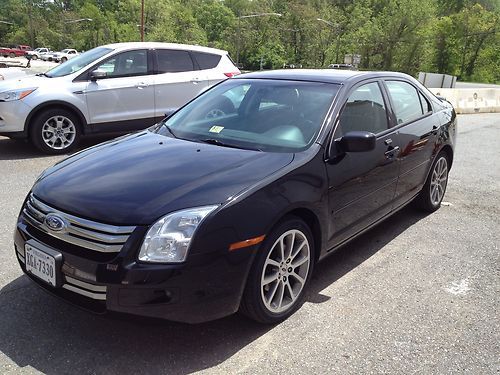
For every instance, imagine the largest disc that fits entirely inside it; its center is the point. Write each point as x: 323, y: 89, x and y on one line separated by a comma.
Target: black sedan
x: 229, y: 203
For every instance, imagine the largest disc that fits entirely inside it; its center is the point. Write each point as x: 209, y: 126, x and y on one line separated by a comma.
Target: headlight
x: 9, y: 96
x: 168, y: 240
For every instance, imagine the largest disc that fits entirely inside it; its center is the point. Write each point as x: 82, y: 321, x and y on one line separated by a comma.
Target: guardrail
x: 480, y: 100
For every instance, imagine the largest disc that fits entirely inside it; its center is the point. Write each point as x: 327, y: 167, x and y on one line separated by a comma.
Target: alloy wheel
x: 58, y: 132
x: 439, y: 180
x: 285, y: 271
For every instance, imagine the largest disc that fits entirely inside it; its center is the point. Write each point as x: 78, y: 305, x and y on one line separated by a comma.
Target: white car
x: 37, y: 53
x: 64, y: 55
x: 112, y: 88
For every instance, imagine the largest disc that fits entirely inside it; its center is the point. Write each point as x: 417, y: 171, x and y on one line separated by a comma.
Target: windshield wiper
x: 43, y: 75
x: 218, y: 142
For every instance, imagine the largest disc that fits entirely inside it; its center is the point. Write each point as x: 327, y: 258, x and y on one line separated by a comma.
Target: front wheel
x: 64, y: 59
x: 277, y: 281
x: 432, y: 194
x: 55, y: 131
x: 34, y: 57
x: 12, y: 55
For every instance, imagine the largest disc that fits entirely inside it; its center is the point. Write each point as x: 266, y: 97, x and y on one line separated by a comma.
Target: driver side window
x: 364, y: 111
x: 126, y: 64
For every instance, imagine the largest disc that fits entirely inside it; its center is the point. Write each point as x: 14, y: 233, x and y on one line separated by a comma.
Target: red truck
x: 14, y: 51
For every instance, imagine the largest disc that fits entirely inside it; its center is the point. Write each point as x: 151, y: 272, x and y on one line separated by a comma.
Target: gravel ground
x: 416, y: 294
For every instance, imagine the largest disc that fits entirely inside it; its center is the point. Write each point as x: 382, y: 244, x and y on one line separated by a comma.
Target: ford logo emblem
x: 55, y: 222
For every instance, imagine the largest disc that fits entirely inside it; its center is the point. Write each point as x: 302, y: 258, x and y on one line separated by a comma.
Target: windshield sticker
x: 216, y: 129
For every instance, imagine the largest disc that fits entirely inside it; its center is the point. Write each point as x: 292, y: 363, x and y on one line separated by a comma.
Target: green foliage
x: 459, y: 37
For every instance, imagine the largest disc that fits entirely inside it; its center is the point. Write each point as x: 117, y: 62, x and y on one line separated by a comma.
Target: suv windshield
x: 77, y: 63
x: 260, y: 114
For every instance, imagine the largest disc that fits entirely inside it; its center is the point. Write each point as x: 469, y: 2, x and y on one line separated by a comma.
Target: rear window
x: 173, y: 61
x: 206, y: 60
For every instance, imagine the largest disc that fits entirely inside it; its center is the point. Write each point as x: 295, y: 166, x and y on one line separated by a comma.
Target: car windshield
x: 78, y: 63
x: 259, y: 114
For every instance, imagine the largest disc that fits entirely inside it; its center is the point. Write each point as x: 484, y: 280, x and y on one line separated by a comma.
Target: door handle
x: 389, y: 154
x: 196, y: 80
x: 388, y: 141
x: 141, y: 85
x: 435, y: 129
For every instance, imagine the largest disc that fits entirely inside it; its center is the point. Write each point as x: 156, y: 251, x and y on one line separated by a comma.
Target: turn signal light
x: 246, y: 243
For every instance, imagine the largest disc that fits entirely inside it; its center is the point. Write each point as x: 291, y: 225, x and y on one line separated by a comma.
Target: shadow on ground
x: 39, y: 331
x: 21, y: 149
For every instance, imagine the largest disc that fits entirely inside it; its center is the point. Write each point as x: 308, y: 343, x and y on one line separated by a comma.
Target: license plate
x: 40, y: 264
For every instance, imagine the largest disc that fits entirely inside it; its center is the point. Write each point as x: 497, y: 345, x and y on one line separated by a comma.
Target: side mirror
x: 357, y: 141
x: 98, y: 74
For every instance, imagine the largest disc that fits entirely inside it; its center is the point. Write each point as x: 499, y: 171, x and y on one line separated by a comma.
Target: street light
x: 239, y: 29
x: 337, y: 29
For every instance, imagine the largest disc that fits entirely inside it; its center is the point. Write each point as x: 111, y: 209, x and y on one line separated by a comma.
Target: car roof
x: 320, y: 75
x: 133, y: 45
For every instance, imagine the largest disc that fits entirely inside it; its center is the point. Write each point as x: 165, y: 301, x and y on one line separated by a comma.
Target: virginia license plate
x: 40, y: 264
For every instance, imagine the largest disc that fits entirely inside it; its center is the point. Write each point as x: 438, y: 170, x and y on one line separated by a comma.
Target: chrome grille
x: 90, y: 290
x: 80, y: 232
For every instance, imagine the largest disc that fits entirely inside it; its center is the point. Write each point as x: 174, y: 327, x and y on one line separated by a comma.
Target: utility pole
x: 142, y: 20
x: 30, y: 20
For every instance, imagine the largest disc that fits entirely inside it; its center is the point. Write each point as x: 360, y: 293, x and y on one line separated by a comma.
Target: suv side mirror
x: 98, y: 74
x: 357, y: 141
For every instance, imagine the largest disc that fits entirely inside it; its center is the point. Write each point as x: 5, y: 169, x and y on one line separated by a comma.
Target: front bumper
x: 207, y: 287
x: 13, y: 116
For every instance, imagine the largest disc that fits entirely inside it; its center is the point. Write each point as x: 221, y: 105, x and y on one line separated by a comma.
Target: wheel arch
x: 312, y: 221
x: 54, y: 104
x: 449, y: 152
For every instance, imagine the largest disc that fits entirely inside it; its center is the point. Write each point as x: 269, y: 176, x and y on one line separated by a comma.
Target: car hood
x: 22, y: 81
x: 138, y: 179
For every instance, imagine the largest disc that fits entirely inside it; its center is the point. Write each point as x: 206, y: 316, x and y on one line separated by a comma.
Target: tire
x: 276, y: 285
x: 430, y: 197
x: 34, y: 57
x: 64, y: 59
x: 55, y: 131
x: 12, y: 55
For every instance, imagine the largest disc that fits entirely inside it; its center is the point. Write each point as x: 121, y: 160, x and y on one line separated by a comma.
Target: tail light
x: 232, y: 74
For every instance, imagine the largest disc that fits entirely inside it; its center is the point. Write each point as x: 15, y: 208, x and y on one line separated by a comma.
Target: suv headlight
x: 168, y: 240
x: 9, y: 96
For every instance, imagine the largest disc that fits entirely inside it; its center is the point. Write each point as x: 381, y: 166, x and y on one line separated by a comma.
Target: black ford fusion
x: 228, y: 204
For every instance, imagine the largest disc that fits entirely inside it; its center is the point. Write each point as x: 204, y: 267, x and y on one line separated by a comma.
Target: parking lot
x: 416, y: 294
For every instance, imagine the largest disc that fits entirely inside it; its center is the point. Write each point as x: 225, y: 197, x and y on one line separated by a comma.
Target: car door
x: 418, y: 127
x: 362, y: 184
x: 177, y: 81
x: 125, y: 98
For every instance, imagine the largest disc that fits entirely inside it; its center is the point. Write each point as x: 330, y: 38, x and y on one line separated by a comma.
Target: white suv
x: 113, y: 88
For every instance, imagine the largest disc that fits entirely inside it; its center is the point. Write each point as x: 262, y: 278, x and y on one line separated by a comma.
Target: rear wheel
x: 276, y: 284
x: 34, y: 57
x: 55, y: 131
x: 64, y: 59
x: 12, y: 55
x: 432, y: 194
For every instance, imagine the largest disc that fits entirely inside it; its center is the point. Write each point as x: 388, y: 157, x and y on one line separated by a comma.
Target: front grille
x: 88, y: 234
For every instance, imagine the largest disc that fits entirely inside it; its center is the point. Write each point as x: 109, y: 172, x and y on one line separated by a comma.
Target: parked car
x: 201, y: 216
x: 114, y: 88
x: 14, y: 51
x: 37, y: 53
x: 342, y: 66
x: 64, y: 55
x: 61, y: 56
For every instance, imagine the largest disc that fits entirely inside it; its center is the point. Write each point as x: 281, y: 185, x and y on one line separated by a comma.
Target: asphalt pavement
x: 418, y: 294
